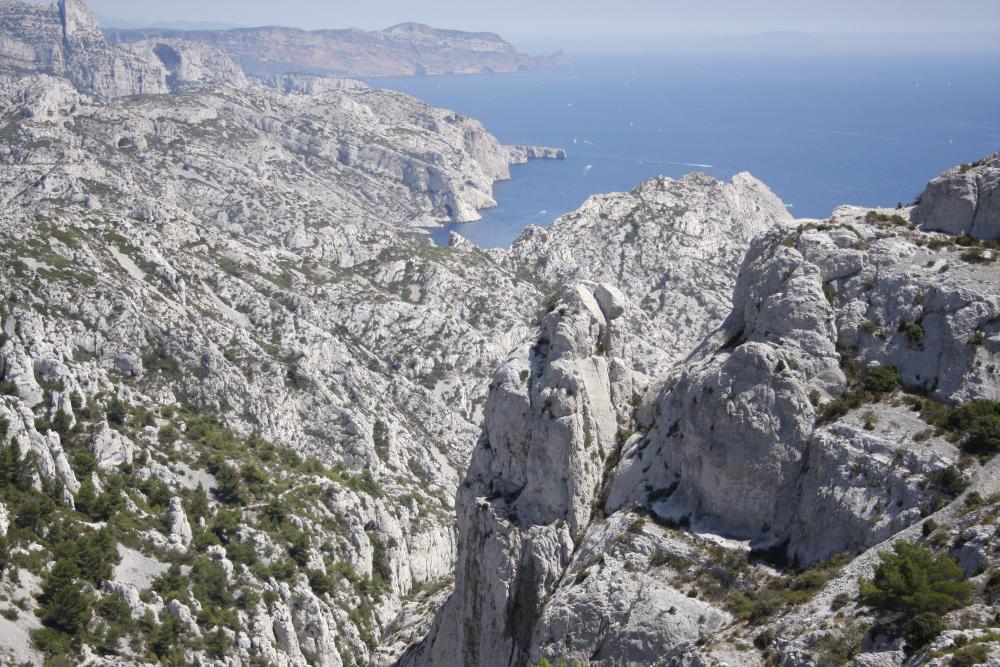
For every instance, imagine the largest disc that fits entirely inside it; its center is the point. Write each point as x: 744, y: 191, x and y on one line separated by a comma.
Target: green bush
x: 97, y: 554
x: 978, y: 422
x: 17, y: 473
x: 229, y: 489
x: 882, y: 379
x: 197, y: 503
x: 949, y: 481
x: 164, y: 643
x: 867, y: 386
x: 912, y: 580
x: 116, y: 411
x: 975, y: 654
x: 984, y: 435
x: 172, y: 584
x: 209, y: 584
x: 835, y: 650
x: 34, y: 512
x: 922, y: 629
x: 63, y: 606
x: 914, y: 332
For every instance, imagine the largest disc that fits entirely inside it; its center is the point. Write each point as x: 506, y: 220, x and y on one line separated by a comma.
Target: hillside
x: 251, y: 415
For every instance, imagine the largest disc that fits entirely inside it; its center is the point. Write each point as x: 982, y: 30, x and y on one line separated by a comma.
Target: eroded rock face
x: 740, y: 419
x: 371, y: 349
x: 529, y: 492
x: 963, y: 200
x: 671, y: 246
x: 737, y: 442
x: 613, y: 608
x: 402, y: 50
x: 189, y: 65
x: 111, y: 449
x: 65, y: 39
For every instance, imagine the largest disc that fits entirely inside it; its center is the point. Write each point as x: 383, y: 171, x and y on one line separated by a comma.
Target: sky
x: 531, y: 20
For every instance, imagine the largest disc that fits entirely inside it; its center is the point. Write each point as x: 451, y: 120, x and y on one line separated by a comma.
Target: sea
x: 819, y: 130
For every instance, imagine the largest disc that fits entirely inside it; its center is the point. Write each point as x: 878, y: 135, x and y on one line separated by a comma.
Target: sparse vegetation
x: 976, y: 425
x: 916, y: 586
x: 866, y: 386
x: 913, y: 330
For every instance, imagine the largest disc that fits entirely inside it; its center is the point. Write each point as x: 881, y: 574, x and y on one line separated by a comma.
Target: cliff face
x: 246, y: 265
x: 66, y: 40
x: 403, y: 50
x: 249, y: 415
x: 964, y: 200
x: 784, y: 428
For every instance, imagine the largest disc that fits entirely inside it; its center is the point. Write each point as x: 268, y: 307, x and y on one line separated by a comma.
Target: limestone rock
x: 672, y: 247
x: 180, y: 530
x: 190, y: 65
x: 110, y: 448
x: 402, y: 50
x: 963, y: 200
x: 182, y: 613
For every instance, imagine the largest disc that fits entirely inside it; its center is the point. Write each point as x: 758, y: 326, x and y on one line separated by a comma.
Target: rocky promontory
x: 407, y: 49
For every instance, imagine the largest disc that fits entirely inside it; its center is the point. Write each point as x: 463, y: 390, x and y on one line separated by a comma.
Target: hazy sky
x: 531, y: 19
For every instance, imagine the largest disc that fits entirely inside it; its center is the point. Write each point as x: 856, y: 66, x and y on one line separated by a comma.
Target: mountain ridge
x: 405, y: 49
x: 250, y: 414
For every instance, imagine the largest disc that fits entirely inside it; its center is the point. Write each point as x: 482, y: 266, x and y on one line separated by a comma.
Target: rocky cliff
x: 250, y: 415
x: 226, y: 341
x: 65, y: 40
x: 801, y: 429
x: 402, y: 50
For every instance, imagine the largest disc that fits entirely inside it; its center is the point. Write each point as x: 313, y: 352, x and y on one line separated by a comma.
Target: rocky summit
x: 251, y: 415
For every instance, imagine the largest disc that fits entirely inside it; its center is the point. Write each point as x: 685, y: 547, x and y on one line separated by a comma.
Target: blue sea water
x: 819, y: 130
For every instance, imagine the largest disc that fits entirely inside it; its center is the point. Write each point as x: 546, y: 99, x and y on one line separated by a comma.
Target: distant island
x: 407, y: 49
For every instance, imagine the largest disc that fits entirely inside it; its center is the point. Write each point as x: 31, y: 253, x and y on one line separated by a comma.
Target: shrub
x: 949, y: 481
x: 63, y: 606
x: 984, y: 435
x: 764, y: 639
x: 869, y: 419
x: 33, y: 512
x: 868, y: 327
x: 976, y: 654
x: 116, y: 411
x: 172, y: 584
x: 835, y: 650
x: 914, y: 332
x: 913, y: 580
x: 882, y: 379
x: 230, y: 488
x: 209, y: 584
x: 197, y: 503
x: 922, y: 629
x: 217, y: 644
x: 96, y: 554
x: 974, y: 500
x: 992, y: 590
x: 974, y: 256
x: 978, y: 422
x: 16, y: 471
